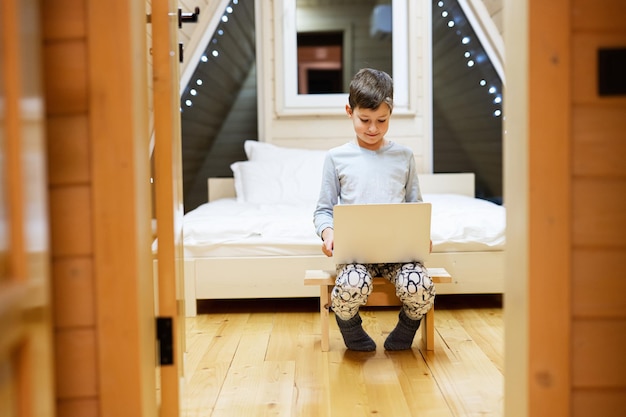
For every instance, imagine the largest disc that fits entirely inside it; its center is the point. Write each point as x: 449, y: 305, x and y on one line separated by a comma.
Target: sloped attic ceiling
x: 222, y: 111
x: 215, y: 89
x: 467, y: 102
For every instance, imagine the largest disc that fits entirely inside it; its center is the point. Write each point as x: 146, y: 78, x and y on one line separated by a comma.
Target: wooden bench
x: 326, y: 281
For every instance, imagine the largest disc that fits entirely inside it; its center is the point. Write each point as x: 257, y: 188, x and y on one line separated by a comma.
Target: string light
x: 213, y: 54
x: 473, y: 57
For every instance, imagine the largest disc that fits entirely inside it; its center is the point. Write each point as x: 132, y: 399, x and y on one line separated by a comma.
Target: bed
x: 254, y: 238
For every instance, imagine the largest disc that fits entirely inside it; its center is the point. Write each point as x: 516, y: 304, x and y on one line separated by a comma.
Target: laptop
x: 381, y: 233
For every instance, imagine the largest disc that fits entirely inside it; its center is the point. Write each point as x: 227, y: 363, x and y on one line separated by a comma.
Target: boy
x: 371, y: 169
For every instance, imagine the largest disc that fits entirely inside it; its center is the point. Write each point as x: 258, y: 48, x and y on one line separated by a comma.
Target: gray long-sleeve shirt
x: 355, y: 175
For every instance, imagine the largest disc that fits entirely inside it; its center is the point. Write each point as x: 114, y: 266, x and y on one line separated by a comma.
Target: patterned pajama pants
x: 354, y: 284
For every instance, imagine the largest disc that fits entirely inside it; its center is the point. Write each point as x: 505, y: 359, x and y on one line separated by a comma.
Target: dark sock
x: 354, y: 336
x: 401, y: 338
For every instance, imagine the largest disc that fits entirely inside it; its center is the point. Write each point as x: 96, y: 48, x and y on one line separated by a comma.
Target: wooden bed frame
x: 281, y: 276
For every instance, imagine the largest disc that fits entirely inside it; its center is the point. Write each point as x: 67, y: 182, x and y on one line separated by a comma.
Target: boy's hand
x: 328, y: 241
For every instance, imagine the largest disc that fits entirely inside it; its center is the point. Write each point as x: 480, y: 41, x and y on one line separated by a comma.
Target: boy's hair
x: 370, y: 88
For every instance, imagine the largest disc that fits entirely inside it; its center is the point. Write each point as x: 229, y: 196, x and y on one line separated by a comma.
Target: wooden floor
x: 261, y: 358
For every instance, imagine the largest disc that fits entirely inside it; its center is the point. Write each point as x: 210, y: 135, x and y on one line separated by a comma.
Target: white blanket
x: 226, y: 228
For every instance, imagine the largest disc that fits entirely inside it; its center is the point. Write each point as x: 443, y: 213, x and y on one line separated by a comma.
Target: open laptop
x: 381, y: 233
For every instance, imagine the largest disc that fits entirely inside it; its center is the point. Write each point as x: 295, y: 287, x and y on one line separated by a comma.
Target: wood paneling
x: 412, y: 128
x: 593, y: 15
x: 65, y: 78
x: 594, y: 342
x: 598, y: 284
x: 78, y: 407
x: 73, y: 292
x: 599, y: 147
x: 64, y: 19
x: 70, y: 220
x: 599, y: 212
x: 68, y: 150
x: 70, y: 206
x: 75, y: 359
x: 96, y: 91
x: 605, y: 403
x: 599, y: 215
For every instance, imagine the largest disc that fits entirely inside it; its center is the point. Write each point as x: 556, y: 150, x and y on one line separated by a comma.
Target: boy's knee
x: 355, y: 276
x: 415, y: 279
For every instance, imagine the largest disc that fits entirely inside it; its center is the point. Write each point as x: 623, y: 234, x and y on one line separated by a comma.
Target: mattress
x: 227, y: 228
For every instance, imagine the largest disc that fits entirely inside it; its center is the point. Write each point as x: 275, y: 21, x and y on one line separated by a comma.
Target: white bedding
x: 227, y: 228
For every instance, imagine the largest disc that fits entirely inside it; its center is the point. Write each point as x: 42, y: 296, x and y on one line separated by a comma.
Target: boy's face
x: 370, y: 125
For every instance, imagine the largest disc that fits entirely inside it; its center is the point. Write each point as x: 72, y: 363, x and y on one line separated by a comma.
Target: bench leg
x: 428, y: 330
x: 324, y: 307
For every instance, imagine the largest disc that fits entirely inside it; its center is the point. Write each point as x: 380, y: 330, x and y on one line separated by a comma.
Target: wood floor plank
x: 348, y: 392
x: 485, y: 327
x: 244, y: 378
x: 312, y: 391
x: 249, y: 360
x: 275, y: 396
x: 384, y: 392
x: 286, y: 328
x: 239, y: 392
x: 419, y: 387
x: 200, y: 333
x: 204, y: 383
x: 470, y: 382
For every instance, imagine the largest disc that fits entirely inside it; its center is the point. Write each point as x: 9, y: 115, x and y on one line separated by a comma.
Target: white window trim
x: 289, y: 102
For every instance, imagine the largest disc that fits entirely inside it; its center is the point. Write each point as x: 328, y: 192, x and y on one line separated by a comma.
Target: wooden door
x: 25, y: 335
x: 168, y: 193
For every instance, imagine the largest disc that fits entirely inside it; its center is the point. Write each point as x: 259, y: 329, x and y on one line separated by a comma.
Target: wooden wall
x: 598, y: 208
x: 96, y: 104
x: 412, y: 128
x: 69, y: 176
x: 564, y: 270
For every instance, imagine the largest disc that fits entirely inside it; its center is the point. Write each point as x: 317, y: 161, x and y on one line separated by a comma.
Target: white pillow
x: 261, y: 151
x: 291, y: 175
x: 275, y: 182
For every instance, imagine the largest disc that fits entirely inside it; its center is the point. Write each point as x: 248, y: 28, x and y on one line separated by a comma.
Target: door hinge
x: 165, y: 340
